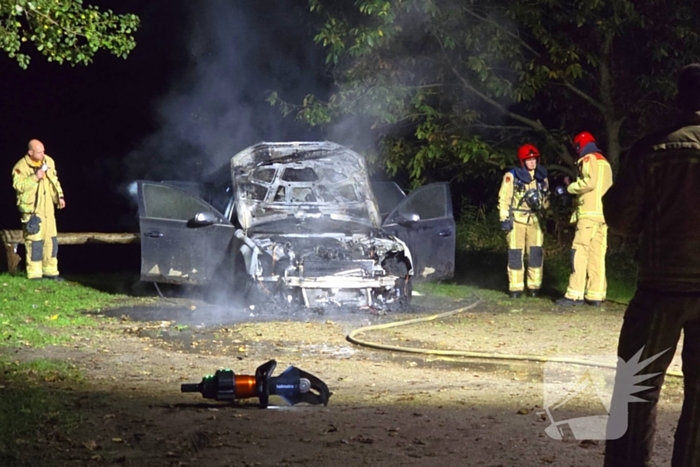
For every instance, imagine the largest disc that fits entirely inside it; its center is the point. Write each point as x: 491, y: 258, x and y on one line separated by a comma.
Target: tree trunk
x: 612, y: 122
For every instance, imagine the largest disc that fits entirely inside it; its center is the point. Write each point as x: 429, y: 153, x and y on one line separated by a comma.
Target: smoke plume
x: 235, y: 54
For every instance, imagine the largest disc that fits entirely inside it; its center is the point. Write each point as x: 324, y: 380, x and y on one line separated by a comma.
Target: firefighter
x: 522, y: 199
x: 587, y: 283
x: 39, y: 192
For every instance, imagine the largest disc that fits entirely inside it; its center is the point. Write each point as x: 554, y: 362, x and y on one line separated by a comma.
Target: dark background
x: 190, y: 95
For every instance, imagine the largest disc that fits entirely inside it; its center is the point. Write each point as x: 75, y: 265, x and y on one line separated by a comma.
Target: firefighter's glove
x: 507, y: 225
x: 33, y: 225
x: 563, y: 194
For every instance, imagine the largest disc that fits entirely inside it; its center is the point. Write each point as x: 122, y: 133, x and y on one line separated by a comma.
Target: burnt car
x: 297, y: 223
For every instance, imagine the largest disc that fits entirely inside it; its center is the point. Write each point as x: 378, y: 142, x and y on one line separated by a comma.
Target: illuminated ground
x: 387, y: 408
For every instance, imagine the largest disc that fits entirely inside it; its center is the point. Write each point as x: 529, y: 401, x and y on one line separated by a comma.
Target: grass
x: 37, y: 314
x: 457, y: 290
x: 33, y: 408
x: 37, y: 371
x: 480, y: 264
x: 621, y: 274
x: 44, y: 313
x: 484, y: 273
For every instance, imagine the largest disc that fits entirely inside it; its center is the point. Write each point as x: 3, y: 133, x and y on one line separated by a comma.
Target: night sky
x: 188, y: 97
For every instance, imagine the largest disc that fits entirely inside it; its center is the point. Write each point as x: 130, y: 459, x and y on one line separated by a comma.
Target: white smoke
x: 237, y: 53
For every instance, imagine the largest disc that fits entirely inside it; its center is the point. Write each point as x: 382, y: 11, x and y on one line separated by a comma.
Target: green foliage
x: 444, y: 84
x: 479, y: 230
x: 63, y: 30
x: 621, y: 275
x: 481, y: 260
x: 42, y: 313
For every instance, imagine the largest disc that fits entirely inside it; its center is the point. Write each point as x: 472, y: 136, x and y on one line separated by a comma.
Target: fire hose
x: 295, y: 386
x: 352, y: 337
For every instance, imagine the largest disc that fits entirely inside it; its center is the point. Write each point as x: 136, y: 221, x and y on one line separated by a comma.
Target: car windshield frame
x: 302, y: 180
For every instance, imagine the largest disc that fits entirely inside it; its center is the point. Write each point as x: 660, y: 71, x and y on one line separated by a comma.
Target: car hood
x: 313, y: 226
x: 296, y: 181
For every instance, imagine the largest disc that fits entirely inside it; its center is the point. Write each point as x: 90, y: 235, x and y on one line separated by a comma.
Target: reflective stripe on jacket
x: 513, y: 188
x: 26, y: 185
x: 595, y: 178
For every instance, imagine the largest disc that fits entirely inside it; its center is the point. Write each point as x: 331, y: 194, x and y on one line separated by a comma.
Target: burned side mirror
x: 407, y: 219
x: 202, y: 219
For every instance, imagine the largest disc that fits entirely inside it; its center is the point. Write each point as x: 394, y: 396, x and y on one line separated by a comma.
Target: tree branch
x: 500, y: 27
x: 657, y: 103
x: 499, y: 127
x: 534, y: 124
x: 583, y: 95
x: 54, y: 22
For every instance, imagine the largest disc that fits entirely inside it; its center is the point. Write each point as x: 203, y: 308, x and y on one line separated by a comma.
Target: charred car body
x: 297, y: 223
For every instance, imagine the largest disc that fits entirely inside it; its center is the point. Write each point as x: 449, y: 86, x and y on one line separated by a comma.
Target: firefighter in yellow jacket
x: 587, y: 282
x: 39, y: 192
x: 522, y: 199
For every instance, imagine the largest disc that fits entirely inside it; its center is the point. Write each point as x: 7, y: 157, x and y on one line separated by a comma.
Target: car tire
x: 403, y: 285
x: 253, y: 293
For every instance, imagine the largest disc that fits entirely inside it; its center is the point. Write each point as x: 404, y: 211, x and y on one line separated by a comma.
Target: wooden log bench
x: 11, y: 239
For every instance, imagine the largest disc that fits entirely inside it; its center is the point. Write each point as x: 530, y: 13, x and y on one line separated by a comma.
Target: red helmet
x: 526, y: 151
x: 581, y: 140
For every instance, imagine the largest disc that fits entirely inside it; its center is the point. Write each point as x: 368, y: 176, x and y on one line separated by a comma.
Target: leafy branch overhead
x: 456, y: 85
x: 63, y: 30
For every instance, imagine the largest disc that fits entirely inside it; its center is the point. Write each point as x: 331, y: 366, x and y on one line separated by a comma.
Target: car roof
x: 267, y: 152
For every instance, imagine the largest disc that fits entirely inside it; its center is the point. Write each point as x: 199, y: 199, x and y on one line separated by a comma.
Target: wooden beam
x: 12, y: 238
x: 79, y: 238
x: 13, y: 258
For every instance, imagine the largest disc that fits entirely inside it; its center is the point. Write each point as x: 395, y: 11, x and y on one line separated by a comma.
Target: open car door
x: 184, y: 240
x: 424, y: 220
x: 219, y: 196
x: 388, y: 196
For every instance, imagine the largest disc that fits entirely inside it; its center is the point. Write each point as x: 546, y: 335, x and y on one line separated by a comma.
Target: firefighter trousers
x: 525, y: 238
x: 42, y: 249
x: 652, y: 325
x: 587, y: 279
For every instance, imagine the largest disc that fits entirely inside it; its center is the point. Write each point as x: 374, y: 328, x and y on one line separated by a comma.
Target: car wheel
x: 403, y: 287
x: 254, y: 292
x: 404, y: 290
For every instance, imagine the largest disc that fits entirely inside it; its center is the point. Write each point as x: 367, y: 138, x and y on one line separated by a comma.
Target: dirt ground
x: 387, y: 408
